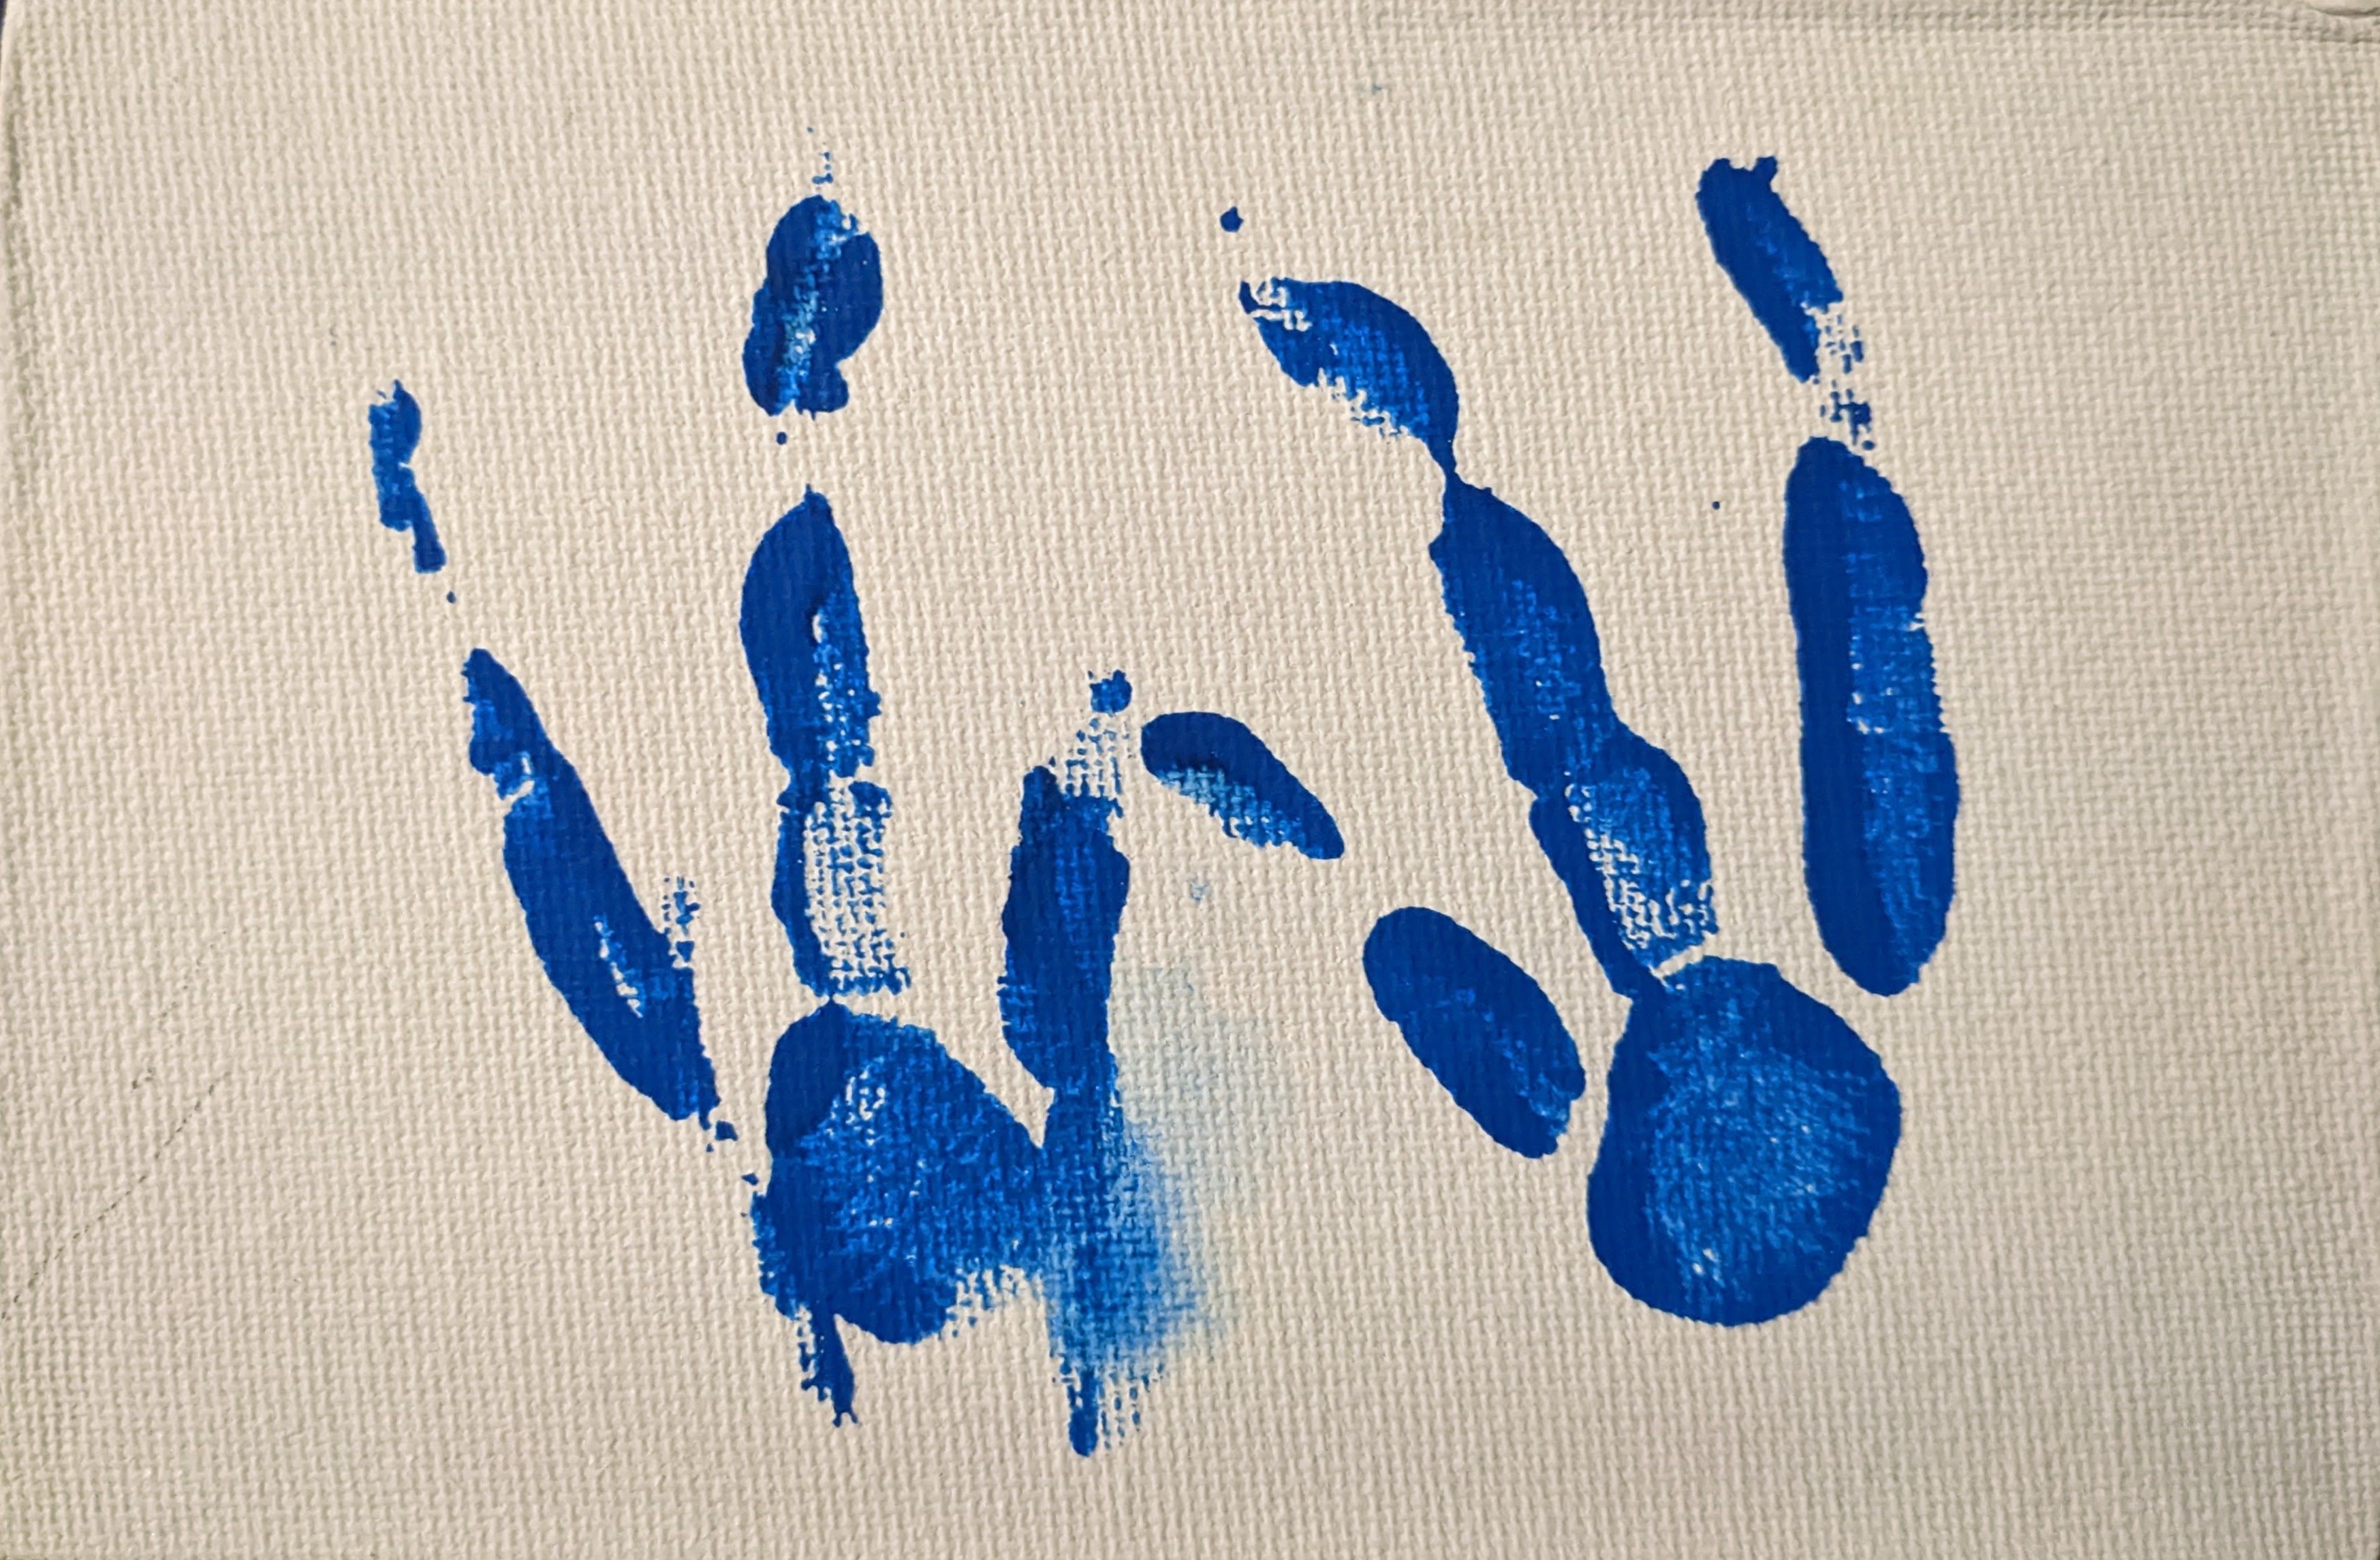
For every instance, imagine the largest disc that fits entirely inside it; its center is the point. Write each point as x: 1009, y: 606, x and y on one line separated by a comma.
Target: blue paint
x: 629, y: 986
x: 808, y: 653
x: 1618, y: 820
x: 1745, y: 1147
x: 395, y: 430
x: 1880, y: 781
x: 1226, y: 768
x: 1066, y: 888
x: 1111, y: 694
x: 1364, y: 349
x: 1480, y: 1024
x: 898, y: 1188
x: 1232, y: 220
x: 1769, y: 256
x: 823, y: 294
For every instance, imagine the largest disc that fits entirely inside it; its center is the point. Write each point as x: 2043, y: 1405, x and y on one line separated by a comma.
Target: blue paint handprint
x: 901, y: 1194
x: 1749, y: 1132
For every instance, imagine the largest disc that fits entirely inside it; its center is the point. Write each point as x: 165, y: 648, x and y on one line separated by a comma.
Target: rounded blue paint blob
x: 1232, y: 220
x: 450, y: 598
x: 1110, y: 694
x: 781, y: 439
x: 1747, y: 1142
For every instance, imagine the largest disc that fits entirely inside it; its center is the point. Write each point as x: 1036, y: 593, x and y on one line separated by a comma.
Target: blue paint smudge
x: 1879, y: 780
x: 1231, y: 220
x: 1226, y: 768
x: 823, y: 293
x: 898, y: 1188
x: 1480, y: 1024
x: 803, y: 640
x: 395, y: 430
x: 1364, y: 349
x: 1618, y: 820
x: 1769, y: 257
x: 629, y: 986
x: 1746, y: 1145
x: 1111, y: 694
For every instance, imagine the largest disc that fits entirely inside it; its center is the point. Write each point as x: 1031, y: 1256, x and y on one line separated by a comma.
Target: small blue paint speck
x: 725, y: 1131
x: 1232, y: 220
x: 781, y: 439
x: 750, y: 1179
x: 1713, y: 503
x: 450, y: 597
x: 1110, y: 693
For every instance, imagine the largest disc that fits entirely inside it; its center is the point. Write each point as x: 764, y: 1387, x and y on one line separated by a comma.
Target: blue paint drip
x: 1226, y: 768
x: 395, y: 430
x: 1879, y: 780
x: 823, y: 294
x: 627, y: 985
x: 808, y: 653
x: 1616, y: 816
x: 898, y: 1188
x: 1480, y: 1024
x: 1115, y: 1284
x: 1366, y: 351
x: 1769, y: 256
x: 1746, y: 1145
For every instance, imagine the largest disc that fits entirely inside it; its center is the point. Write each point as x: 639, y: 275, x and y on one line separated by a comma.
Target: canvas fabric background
x: 325, y: 1231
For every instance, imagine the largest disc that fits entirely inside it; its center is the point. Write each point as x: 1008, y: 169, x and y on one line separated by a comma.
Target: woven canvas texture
x: 325, y: 1227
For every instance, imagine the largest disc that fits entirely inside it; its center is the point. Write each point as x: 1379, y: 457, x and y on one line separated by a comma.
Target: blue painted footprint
x: 901, y: 1194
x: 1749, y: 1132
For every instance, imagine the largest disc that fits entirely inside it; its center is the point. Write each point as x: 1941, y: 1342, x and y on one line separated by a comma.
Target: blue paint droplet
x: 1111, y: 693
x: 1226, y: 768
x: 750, y: 1179
x: 1480, y: 1024
x: 1713, y: 503
x: 1232, y: 220
x: 1746, y: 1144
x: 627, y: 984
x: 450, y: 598
x: 725, y: 1131
x: 1879, y: 779
x: 396, y: 431
x: 1769, y: 257
x: 823, y: 293
x: 1364, y: 349
x: 781, y: 436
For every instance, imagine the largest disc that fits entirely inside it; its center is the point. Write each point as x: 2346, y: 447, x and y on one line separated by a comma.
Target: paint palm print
x: 901, y: 1194
x: 1748, y: 1131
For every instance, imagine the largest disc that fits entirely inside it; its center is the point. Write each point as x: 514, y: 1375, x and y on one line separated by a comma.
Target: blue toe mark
x: 1226, y: 768
x: 823, y: 295
x: 396, y: 431
x: 1745, y: 1147
x: 1480, y: 1024
x: 1370, y: 353
x: 628, y: 986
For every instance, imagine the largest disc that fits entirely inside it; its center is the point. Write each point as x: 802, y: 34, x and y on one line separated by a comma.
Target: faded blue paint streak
x: 807, y: 654
x: 823, y: 293
x: 1617, y: 818
x: 396, y: 431
x: 1363, y: 348
x: 622, y: 979
x: 1879, y: 779
x: 1226, y: 768
x: 1745, y: 1147
x: 1769, y: 256
x: 899, y: 1188
x: 1480, y: 1024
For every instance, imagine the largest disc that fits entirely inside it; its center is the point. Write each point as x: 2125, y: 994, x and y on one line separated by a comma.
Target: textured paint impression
x: 823, y: 295
x: 1226, y: 768
x: 396, y: 431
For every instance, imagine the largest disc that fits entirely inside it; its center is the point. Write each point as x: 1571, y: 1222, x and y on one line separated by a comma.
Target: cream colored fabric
x: 326, y: 1232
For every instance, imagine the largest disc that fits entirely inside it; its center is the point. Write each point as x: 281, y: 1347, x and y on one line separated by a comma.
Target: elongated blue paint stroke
x: 1880, y: 781
x: 899, y: 1189
x: 823, y: 293
x: 1745, y: 1146
x: 1364, y: 349
x: 1226, y: 768
x: 1480, y: 1024
x: 396, y: 431
x: 807, y: 654
x: 1769, y: 257
x: 629, y: 987
x: 1750, y: 1132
